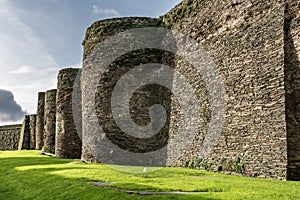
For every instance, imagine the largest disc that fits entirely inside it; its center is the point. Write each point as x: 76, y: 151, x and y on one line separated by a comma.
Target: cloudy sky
x: 39, y: 37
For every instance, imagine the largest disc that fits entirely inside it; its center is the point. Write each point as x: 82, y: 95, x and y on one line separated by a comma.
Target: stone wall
x: 32, y: 127
x: 255, y: 47
x: 101, y: 30
x: 27, y: 135
x: 49, y: 121
x: 40, y: 121
x: 292, y: 86
x: 9, y: 137
x: 95, y: 143
x: 246, y: 40
x: 24, y: 142
x: 257, y: 60
x: 67, y: 141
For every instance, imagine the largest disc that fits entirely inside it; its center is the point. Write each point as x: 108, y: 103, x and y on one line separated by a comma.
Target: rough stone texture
x: 9, y: 137
x: 255, y: 45
x: 24, y: 142
x: 254, y: 48
x: 32, y: 127
x: 101, y: 30
x: 40, y: 121
x: 246, y: 42
x: 292, y: 87
x: 49, y: 121
x: 95, y: 147
x: 67, y: 141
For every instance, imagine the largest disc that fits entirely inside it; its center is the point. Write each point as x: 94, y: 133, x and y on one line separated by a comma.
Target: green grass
x: 31, y: 175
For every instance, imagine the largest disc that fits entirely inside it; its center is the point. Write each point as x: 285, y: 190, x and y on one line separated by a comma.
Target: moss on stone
x: 99, y: 30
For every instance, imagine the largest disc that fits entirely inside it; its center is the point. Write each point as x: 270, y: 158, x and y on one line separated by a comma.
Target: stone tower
x: 67, y: 141
x: 49, y: 121
x: 255, y: 46
x: 40, y: 121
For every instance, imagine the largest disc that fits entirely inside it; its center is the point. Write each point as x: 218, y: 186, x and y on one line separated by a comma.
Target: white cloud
x: 111, y: 11
x: 107, y: 12
x: 19, y: 45
x: 26, y: 87
x: 22, y: 70
x: 24, y: 59
x: 95, y: 9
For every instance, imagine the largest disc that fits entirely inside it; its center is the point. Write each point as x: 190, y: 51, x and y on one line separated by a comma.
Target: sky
x: 40, y: 37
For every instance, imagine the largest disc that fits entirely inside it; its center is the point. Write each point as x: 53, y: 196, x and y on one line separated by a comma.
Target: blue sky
x: 39, y: 37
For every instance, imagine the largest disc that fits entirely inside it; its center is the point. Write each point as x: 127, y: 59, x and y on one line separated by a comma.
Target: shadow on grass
x: 39, y: 183
x: 172, y: 172
x: 143, y: 187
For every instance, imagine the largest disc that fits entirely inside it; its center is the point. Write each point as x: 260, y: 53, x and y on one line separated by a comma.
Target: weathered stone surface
x: 103, y: 29
x: 27, y: 135
x: 40, y: 121
x: 10, y: 137
x: 255, y: 45
x: 49, y: 121
x: 67, y: 141
x: 32, y: 127
x: 256, y: 48
x: 24, y: 142
x: 94, y: 144
x: 248, y: 42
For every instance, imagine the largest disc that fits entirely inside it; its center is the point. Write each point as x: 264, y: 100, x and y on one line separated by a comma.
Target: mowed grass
x: 31, y: 175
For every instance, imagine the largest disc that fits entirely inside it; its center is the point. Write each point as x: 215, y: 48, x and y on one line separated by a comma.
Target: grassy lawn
x: 31, y: 175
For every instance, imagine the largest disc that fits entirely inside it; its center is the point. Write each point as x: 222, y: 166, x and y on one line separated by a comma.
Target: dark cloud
x: 9, y: 109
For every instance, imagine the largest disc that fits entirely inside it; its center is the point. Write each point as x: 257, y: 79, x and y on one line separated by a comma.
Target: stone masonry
x: 255, y: 46
x: 49, y: 121
x: 24, y: 142
x: 67, y: 141
x: 292, y: 86
x: 39, y: 131
x: 94, y: 144
x: 27, y: 134
x: 32, y: 127
x: 9, y: 137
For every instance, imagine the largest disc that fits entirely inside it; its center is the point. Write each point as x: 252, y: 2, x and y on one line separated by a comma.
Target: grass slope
x: 30, y: 175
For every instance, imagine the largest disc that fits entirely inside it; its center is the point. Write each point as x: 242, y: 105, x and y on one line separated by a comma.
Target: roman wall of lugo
x: 39, y: 129
x: 24, y: 142
x: 67, y: 141
x: 10, y: 137
x: 50, y: 121
x: 255, y: 46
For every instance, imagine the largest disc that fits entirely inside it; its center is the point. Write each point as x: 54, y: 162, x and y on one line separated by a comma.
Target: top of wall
x: 202, y: 18
x: 68, y: 70
x: 99, y: 30
x: 8, y: 127
x: 185, y: 9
